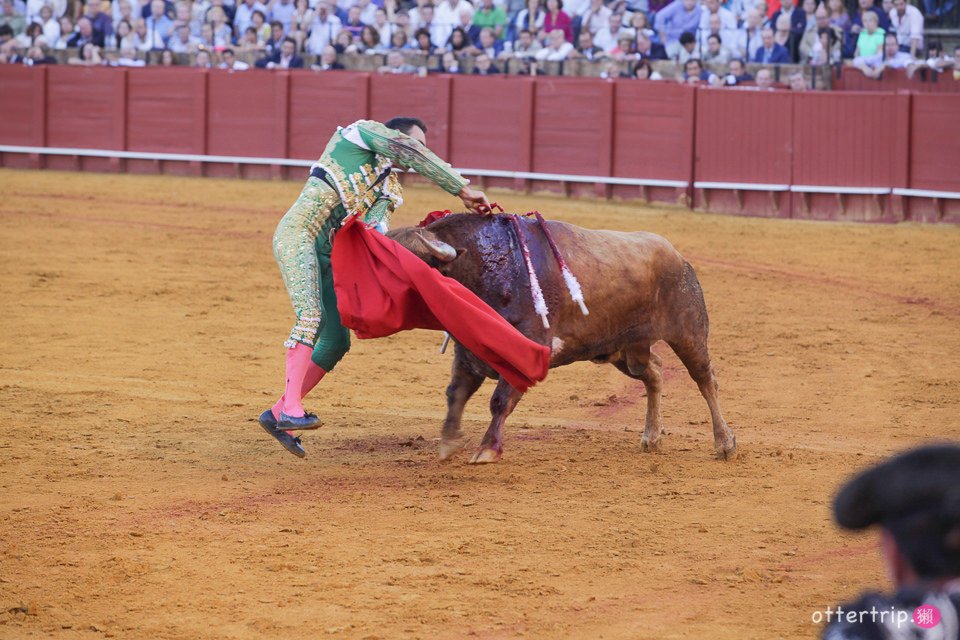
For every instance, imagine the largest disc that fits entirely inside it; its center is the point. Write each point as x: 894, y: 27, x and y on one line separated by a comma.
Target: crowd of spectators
x: 700, y: 36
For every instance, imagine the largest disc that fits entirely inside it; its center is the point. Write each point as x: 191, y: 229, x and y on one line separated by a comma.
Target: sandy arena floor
x: 142, y: 325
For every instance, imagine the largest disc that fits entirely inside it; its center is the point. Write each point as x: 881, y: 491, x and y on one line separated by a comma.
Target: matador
x: 354, y: 176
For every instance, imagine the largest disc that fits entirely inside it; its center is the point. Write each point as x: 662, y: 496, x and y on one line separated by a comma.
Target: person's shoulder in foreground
x: 914, y: 499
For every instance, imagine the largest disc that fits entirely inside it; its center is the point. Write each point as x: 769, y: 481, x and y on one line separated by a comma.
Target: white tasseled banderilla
x: 573, y: 286
x: 539, y: 304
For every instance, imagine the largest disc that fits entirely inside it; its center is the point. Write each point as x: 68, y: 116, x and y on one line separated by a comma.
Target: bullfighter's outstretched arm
x: 406, y: 151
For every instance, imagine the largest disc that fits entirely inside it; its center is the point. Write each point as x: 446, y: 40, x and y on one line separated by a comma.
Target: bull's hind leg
x: 692, y: 351
x: 504, y: 399
x: 464, y: 382
x: 640, y: 363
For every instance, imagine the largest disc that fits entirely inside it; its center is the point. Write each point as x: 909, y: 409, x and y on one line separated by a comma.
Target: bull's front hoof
x: 486, y: 456
x: 649, y: 446
x: 727, y: 450
x: 449, y: 447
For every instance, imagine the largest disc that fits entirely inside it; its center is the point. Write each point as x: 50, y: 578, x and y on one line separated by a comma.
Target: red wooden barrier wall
x: 574, y: 126
x: 896, y: 80
x: 652, y: 136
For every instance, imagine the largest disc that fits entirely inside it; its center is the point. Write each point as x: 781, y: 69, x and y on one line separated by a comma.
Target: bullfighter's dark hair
x: 404, y: 124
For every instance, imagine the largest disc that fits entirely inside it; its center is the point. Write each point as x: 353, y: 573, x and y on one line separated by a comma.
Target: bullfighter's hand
x: 475, y: 201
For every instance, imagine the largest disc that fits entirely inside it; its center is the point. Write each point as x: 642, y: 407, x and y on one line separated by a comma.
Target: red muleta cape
x: 383, y: 288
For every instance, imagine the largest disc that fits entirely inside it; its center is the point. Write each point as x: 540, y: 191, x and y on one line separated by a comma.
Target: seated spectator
x: 301, y: 20
x: 66, y: 33
x: 783, y: 36
x: 750, y: 37
x: 167, y: 59
x: 100, y: 21
x: 158, y: 26
x: 555, y: 19
x: 694, y: 73
x: 222, y: 31
x: 586, y: 49
x: 249, y: 41
x: 396, y: 64
x: 183, y: 42
x: 423, y: 42
x: 489, y: 15
x: 8, y: 47
x: 557, y: 47
x: 29, y: 36
x: 370, y: 41
x: 715, y: 19
x: 123, y: 37
x: 128, y: 58
x: 458, y: 42
x: 11, y: 18
x: 640, y: 23
x: 907, y: 22
x: 146, y: 9
x: 596, y: 18
x: 531, y: 18
x: 736, y: 73
x: 285, y: 57
x: 203, y: 60
x: 282, y: 11
x: 687, y: 48
x: 260, y: 26
x: 526, y: 46
x: 324, y: 29
x: 89, y: 56
x: 327, y: 61
x: 838, y: 16
x: 643, y: 71
x: 608, y: 37
x: 51, y: 28
x: 38, y: 55
x: 810, y: 15
x: 677, y: 18
x: 438, y: 32
x: 626, y: 49
x: 344, y: 43
x: 487, y: 43
x: 649, y: 50
x: 716, y: 53
x: 765, y: 79
x: 826, y: 50
x: 856, y: 22
x: 228, y: 60
x: 447, y: 12
x: 913, y: 500
x: 353, y: 24
x: 937, y: 58
x: 383, y: 26
x: 83, y: 35
x: 889, y: 58
x: 811, y: 44
x: 483, y: 65
x: 792, y: 22
x: 798, y: 82
x: 770, y: 52
x: 206, y: 36
x: 243, y: 15
x: 399, y: 40
x: 277, y: 37
x: 870, y: 39
x: 448, y: 64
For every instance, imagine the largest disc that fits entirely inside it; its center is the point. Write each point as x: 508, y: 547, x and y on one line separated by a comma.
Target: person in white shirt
x: 596, y: 17
x: 244, y: 14
x: 447, y: 12
x: 182, y: 42
x: 229, y: 61
x: 51, y: 28
x: 728, y: 21
x: 325, y: 28
x: 281, y: 11
x: 557, y: 48
x: 608, y: 37
x: 907, y: 21
x: 890, y: 58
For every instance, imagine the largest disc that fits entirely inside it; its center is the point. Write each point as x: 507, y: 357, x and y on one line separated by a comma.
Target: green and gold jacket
x: 359, y: 160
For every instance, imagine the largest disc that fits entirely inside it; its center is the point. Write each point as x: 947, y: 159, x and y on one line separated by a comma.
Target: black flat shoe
x: 304, y: 423
x: 290, y: 443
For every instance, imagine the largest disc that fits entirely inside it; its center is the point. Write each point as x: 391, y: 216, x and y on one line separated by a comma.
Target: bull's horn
x: 439, y: 250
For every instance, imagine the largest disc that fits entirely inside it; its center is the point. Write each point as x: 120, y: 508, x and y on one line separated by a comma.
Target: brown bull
x: 638, y: 288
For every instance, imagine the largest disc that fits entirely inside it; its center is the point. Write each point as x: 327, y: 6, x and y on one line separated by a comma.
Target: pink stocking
x: 302, y: 376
